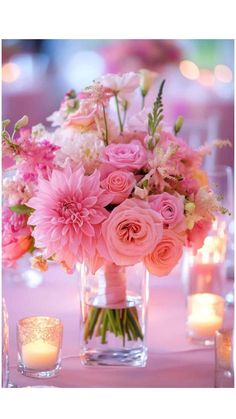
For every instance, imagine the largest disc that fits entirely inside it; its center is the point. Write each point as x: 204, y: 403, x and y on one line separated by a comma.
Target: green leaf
x: 145, y: 183
x: 22, y: 209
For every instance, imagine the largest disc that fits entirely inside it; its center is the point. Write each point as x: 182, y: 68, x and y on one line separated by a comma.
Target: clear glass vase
x: 114, y: 315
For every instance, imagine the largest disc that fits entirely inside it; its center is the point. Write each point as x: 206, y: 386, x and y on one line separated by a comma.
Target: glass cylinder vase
x: 5, y: 344
x: 114, y: 315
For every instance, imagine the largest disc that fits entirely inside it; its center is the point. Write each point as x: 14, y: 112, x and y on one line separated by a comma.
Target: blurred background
x: 199, y: 73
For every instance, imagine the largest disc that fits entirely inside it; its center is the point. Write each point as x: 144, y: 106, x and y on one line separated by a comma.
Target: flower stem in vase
x: 115, y: 315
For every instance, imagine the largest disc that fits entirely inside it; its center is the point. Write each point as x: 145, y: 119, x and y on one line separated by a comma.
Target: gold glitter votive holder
x: 39, y: 342
x: 224, y: 369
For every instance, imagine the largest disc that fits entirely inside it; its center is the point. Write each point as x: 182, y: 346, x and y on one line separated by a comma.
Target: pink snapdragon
x: 37, y: 159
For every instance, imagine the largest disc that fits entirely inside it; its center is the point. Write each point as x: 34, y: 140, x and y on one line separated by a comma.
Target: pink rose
x: 15, y: 248
x: 166, y: 254
x: 196, y: 236
x: 132, y: 231
x: 130, y: 156
x: 170, y: 207
x: 119, y: 184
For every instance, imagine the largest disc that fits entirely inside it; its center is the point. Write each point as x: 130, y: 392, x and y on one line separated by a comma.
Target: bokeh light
x: 82, y: 68
x: 10, y: 72
x: 189, y: 69
x: 206, y: 77
x: 223, y: 73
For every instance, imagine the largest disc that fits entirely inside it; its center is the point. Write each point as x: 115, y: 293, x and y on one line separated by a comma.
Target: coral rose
x: 166, y: 254
x: 132, y: 231
x: 119, y: 184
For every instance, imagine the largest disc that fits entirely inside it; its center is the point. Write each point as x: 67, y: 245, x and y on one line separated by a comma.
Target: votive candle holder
x: 224, y: 370
x: 205, y: 317
x: 39, y: 341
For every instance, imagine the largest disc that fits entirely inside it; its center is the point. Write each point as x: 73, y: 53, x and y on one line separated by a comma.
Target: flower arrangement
x: 107, y: 187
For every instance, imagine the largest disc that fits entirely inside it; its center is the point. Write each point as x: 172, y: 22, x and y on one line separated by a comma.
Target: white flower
x: 121, y: 84
x: 39, y: 132
x: 57, y: 118
x: 147, y: 79
x: 139, y: 121
x: 77, y: 148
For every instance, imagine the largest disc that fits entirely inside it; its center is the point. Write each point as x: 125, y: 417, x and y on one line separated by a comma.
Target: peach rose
x: 84, y: 117
x: 166, y: 254
x: 119, y: 184
x: 131, y: 231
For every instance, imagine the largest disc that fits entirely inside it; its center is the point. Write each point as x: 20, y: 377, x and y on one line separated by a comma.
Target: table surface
x: 173, y: 361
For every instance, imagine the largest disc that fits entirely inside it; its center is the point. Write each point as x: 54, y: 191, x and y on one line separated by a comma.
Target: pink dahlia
x: 69, y: 211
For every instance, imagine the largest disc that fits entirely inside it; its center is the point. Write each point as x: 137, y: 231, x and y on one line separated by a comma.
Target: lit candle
x: 39, y: 346
x: 39, y: 355
x: 205, y: 315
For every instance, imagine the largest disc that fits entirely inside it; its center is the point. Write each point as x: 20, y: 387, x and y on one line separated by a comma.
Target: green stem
x: 94, y: 318
x: 131, y: 328
x: 118, y: 113
x: 112, y: 321
x: 99, y: 323
x: 135, y: 324
x: 105, y: 122
x: 104, y: 329
x: 128, y: 333
x: 124, y: 319
x: 143, y: 100
x: 118, y: 322
x: 125, y: 113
